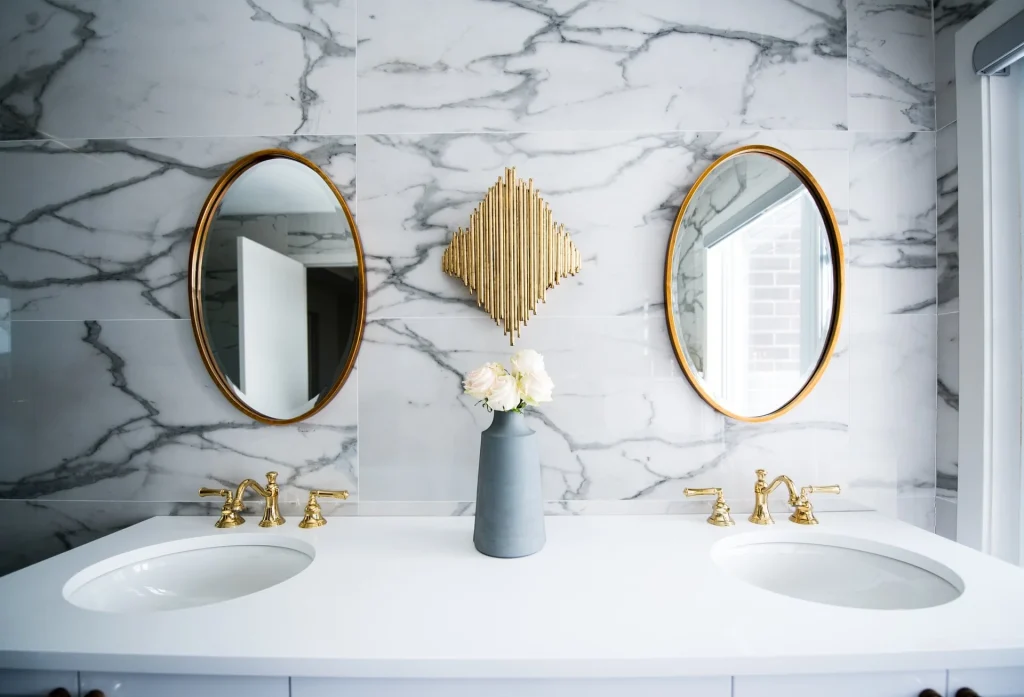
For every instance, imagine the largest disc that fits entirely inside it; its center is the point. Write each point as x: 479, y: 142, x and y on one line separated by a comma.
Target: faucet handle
x: 229, y: 517
x: 720, y: 513
x: 804, y: 513
x: 314, y: 518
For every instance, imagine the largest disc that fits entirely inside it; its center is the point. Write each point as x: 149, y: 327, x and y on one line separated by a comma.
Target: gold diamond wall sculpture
x: 512, y: 253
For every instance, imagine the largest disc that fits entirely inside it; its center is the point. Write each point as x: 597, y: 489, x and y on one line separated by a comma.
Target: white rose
x: 505, y: 394
x: 481, y: 381
x: 536, y: 387
x: 528, y: 361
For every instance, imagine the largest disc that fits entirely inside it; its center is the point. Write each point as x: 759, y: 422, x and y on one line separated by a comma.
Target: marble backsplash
x: 950, y: 15
x: 117, y: 117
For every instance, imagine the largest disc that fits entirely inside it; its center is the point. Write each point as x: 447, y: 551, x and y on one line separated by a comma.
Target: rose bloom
x: 536, y: 387
x: 527, y: 362
x: 505, y: 394
x: 481, y: 381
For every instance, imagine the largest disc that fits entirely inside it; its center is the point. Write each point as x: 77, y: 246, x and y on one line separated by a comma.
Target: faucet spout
x: 271, y: 512
x: 783, y: 479
x: 240, y: 491
x: 761, y: 514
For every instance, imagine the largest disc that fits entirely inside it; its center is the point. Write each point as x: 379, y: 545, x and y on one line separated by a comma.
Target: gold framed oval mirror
x: 277, y: 287
x: 754, y: 283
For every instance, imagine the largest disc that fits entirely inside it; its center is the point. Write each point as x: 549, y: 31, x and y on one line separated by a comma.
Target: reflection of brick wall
x: 772, y: 245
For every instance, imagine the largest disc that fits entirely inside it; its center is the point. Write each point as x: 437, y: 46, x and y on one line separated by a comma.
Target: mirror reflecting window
x: 754, y: 283
x: 277, y: 287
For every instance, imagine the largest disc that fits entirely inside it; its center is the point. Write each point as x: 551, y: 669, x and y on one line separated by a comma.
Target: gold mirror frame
x: 195, y: 282
x: 835, y: 243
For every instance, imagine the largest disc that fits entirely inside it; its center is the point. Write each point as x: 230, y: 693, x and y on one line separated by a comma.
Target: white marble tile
x: 948, y: 393
x: 945, y: 517
x: 892, y: 408
x: 617, y: 194
x: 101, y: 229
x: 891, y: 234
x: 810, y: 444
x: 949, y: 16
x: 892, y: 74
x: 126, y: 411
x: 918, y: 510
x: 37, y: 530
x: 122, y: 69
x: 624, y: 423
x: 638, y: 65
x: 947, y: 219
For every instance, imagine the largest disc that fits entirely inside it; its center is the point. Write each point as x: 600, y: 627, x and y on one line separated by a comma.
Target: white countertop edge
x: 512, y: 669
x: 983, y: 629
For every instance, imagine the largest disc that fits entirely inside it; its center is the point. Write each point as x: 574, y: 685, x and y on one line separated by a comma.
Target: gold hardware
x: 761, y: 514
x: 195, y: 284
x: 720, y: 513
x: 271, y: 514
x: 804, y: 513
x: 512, y: 253
x: 835, y: 244
x: 314, y: 518
x: 229, y: 517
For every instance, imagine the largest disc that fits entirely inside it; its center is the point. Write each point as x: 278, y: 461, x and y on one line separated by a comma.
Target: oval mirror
x: 277, y: 287
x: 754, y: 283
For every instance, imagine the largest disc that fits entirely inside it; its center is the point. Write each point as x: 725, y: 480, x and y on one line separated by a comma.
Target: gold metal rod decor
x: 512, y: 253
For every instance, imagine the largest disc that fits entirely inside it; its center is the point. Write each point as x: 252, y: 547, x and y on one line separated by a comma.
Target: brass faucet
x: 229, y: 518
x: 803, y: 513
x: 271, y: 513
x: 761, y: 514
x: 314, y: 517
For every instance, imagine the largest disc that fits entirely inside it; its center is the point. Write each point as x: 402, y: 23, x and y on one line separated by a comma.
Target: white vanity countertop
x: 611, y: 596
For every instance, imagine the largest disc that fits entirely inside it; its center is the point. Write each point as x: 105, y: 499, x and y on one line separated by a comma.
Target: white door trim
x: 989, y: 487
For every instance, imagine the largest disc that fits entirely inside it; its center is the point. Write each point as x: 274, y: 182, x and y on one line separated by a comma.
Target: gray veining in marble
x: 891, y: 235
x: 892, y: 74
x: 948, y: 392
x: 638, y: 65
x: 115, y: 69
x: 140, y: 419
x: 108, y: 235
x: 415, y: 190
x: 118, y: 116
x: 947, y: 220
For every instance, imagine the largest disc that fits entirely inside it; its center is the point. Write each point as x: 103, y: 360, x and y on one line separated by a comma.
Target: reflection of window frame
x: 816, y: 294
x: 727, y: 333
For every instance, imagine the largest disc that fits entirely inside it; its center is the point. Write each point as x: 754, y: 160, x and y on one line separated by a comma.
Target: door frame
x: 989, y: 199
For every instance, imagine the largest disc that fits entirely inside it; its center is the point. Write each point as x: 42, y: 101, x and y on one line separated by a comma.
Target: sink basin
x: 188, y: 573
x: 838, y: 570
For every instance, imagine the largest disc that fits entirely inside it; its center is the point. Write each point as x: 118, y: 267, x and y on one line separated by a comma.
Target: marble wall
x: 950, y: 15
x: 117, y: 116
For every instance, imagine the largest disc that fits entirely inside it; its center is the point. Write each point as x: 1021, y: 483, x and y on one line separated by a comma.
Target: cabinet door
x: 638, y: 687
x: 992, y: 682
x: 848, y: 685
x: 36, y: 683
x: 141, y: 685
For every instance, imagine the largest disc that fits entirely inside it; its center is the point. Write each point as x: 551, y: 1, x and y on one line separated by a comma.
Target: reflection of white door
x: 272, y: 337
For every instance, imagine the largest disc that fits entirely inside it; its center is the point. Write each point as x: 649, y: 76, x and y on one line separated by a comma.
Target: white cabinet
x: 139, y: 685
x: 993, y: 682
x: 639, y: 687
x: 851, y: 685
x: 36, y: 683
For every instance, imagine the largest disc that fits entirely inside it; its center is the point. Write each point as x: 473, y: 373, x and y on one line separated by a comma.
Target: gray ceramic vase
x: 509, y: 501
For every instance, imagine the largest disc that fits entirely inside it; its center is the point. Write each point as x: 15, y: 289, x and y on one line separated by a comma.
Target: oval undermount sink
x: 188, y: 573
x: 838, y: 570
